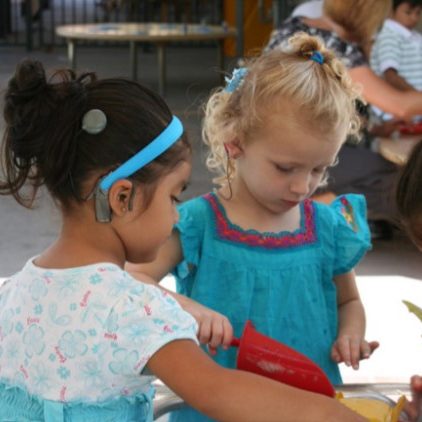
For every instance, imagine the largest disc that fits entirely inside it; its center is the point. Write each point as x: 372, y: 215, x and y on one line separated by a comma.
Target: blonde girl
x: 258, y: 248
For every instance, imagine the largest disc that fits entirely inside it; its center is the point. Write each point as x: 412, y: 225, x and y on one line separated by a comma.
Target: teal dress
x: 282, y: 282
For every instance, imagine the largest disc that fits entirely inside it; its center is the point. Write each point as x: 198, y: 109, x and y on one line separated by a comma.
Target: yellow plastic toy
x: 372, y: 408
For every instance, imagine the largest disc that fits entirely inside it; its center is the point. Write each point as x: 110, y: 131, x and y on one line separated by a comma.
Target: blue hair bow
x: 236, y: 80
x: 317, y: 57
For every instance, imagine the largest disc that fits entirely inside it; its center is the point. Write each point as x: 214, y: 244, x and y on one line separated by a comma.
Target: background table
x: 159, y: 34
x: 397, y: 150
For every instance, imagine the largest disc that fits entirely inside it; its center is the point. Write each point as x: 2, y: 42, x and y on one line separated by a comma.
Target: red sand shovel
x: 264, y: 356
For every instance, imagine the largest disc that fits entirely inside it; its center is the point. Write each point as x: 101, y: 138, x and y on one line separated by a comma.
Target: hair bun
x: 29, y: 81
x: 305, y: 45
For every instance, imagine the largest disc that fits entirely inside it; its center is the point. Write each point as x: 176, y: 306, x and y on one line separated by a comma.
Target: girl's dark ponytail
x: 45, y: 143
x: 42, y: 121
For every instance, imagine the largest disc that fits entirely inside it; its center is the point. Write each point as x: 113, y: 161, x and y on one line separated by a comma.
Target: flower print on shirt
x: 135, y: 332
x: 92, y: 309
x: 111, y: 325
x: 120, y: 286
x: 125, y: 362
x: 95, y: 279
x: 19, y: 327
x: 68, y: 285
x: 63, y: 372
x: 38, y: 289
x: 92, y: 374
x: 33, y: 340
x: 61, y: 320
x: 11, y: 352
x: 40, y: 378
x: 73, y: 344
x: 6, y: 322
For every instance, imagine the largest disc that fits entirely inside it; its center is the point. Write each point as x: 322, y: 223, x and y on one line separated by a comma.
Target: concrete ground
x: 392, y: 271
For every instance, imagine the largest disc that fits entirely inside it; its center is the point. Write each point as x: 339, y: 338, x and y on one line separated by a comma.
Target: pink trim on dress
x: 227, y: 231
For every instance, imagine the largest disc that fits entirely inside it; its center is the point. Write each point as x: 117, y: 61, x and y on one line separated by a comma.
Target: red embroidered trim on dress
x: 226, y: 230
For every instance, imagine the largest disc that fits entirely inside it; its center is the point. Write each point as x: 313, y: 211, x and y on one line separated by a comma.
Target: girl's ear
x: 234, y: 148
x: 120, y: 197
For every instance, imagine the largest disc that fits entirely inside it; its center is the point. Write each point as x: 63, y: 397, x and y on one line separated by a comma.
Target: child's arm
x: 214, y: 328
x: 350, y: 345
x: 230, y: 395
x: 393, y: 77
x: 413, y: 408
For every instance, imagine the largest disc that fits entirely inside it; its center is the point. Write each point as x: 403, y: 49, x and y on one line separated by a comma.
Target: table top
x: 145, y: 32
x: 398, y: 149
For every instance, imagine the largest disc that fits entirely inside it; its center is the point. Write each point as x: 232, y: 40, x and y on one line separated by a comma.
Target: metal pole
x: 71, y: 53
x: 161, y: 54
x: 28, y: 21
x: 134, y: 59
x: 221, y: 60
x: 240, y: 28
x: 281, y: 10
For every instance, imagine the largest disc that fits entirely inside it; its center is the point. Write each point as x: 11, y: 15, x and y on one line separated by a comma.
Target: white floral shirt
x: 84, y: 334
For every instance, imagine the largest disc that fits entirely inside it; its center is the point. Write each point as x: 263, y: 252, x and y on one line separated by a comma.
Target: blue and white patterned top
x: 74, y: 343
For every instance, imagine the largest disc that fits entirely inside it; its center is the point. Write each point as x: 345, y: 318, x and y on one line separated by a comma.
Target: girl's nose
x: 300, y: 185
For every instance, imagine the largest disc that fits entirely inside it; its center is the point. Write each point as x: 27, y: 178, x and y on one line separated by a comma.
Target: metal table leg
x: 71, y: 53
x: 161, y: 54
x: 134, y: 59
x: 220, y: 60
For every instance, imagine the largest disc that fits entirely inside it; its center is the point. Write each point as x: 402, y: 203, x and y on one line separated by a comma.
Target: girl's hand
x: 413, y: 408
x: 214, y: 328
x: 350, y: 349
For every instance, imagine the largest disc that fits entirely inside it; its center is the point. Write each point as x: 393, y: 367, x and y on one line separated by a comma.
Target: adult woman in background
x: 348, y: 27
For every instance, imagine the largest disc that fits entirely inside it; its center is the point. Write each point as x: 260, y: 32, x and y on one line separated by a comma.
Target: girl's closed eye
x: 320, y: 170
x: 284, y: 169
x: 175, y: 198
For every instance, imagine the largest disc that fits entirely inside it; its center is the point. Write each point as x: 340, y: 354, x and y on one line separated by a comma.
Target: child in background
x: 409, y: 196
x: 397, y: 51
x: 409, y: 205
x: 79, y: 337
x: 258, y: 248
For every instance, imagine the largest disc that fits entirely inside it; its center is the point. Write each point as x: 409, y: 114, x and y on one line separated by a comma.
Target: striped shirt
x: 398, y: 48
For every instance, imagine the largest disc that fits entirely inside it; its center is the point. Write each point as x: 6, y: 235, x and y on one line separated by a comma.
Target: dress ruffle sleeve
x: 190, y: 228
x: 351, y: 232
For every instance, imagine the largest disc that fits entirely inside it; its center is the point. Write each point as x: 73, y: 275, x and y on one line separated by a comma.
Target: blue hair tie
x: 317, y: 57
x: 236, y: 80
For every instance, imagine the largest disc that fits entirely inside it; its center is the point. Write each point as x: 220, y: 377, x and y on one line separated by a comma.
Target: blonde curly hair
x: 324, y: 93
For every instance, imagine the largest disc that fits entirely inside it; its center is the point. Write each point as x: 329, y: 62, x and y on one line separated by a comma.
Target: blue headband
x: 155, y: 148
x: 317, y: 57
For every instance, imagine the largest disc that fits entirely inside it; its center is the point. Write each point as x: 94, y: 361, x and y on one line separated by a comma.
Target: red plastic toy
x: 264, y: 356
x: 411, y: 129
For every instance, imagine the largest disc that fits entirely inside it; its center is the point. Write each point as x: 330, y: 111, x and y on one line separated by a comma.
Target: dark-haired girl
x: 77, y: 332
